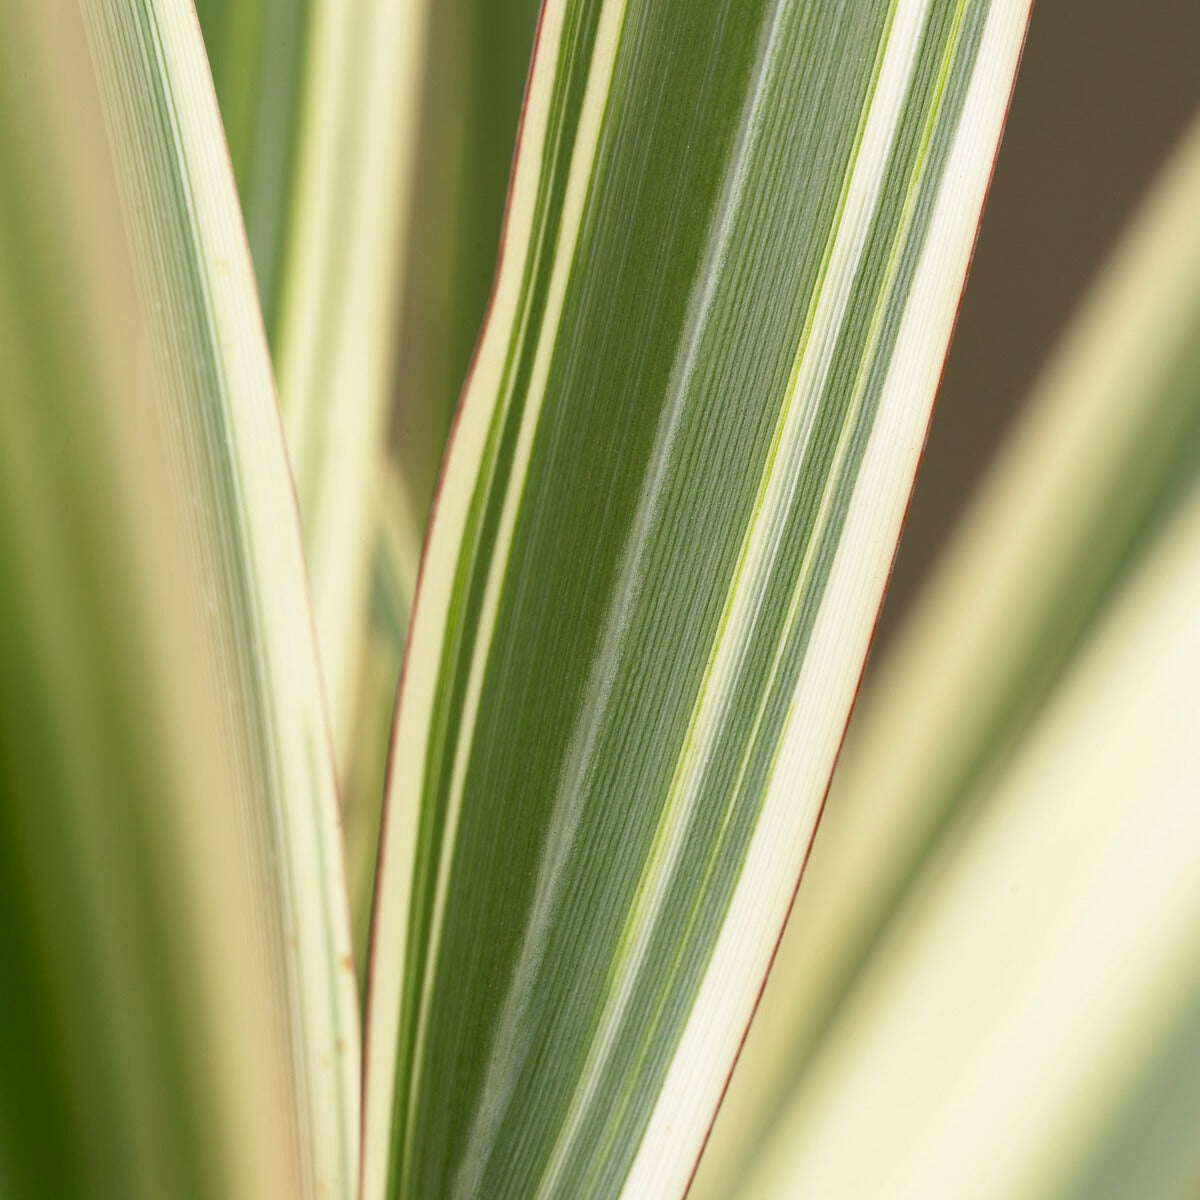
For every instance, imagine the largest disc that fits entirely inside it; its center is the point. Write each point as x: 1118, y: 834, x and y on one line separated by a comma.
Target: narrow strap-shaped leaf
x: 476, y: 68
x: 735, y: 244
x: 320, y: 100
x: 100, y: 1057
x: 477, y: 60
x: 196, y: 281
x: 341, y: 262
x: 1105, y: 451
x: 145, y: 1041
x: 1047, y: 961
x: 392, y: 586
x: 257, y: 50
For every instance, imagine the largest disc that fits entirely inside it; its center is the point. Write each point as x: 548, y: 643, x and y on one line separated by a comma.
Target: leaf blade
x: 138, y: 918
x: 320, y: 101
x: 1069, y: 943
x: 196, y: 284
x: 736, y: 508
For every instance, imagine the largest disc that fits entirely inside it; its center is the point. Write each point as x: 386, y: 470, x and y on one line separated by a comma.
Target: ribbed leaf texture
x: 735, y: 243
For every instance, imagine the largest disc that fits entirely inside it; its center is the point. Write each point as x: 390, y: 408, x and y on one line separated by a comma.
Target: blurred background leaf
x: 1027, y: 1024
x: 320, y: 100
x: 257, y: 50
x: 393, y: 125
x: 251, y: 842
x: 1106, y: 455
x: 148, y: 1009
x: 1105, y: 91
x: 478, y: 59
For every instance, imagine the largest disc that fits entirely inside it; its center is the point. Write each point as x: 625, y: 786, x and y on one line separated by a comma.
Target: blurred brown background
x: 1105, y: 88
